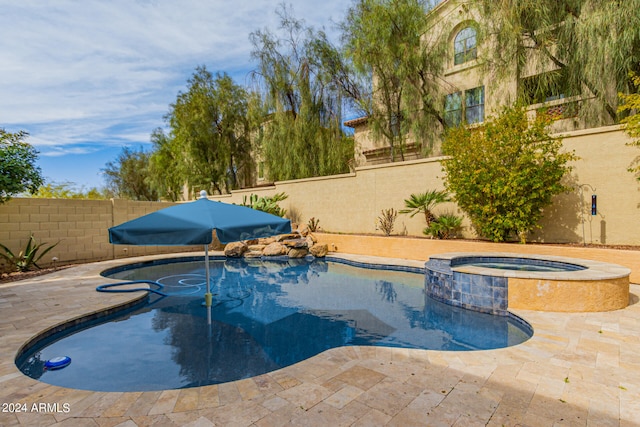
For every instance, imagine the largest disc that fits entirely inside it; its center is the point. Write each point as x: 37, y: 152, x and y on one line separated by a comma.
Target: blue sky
x: 87, y: 77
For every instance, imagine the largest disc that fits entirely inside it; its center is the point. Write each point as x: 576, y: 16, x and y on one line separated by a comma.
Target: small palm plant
x: 445, y: 226
x: 27, y: 258
x: 424, y: 203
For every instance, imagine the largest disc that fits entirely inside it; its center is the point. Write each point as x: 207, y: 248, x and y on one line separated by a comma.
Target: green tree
x: 299, y: 115
x: 590, y: 45
x: 391, y: 42
x: 68, y: 190
x: 505, y: 173
x: 166, y: 171
x: 631, y: 104
x: 211, y: 131
x: 18, y: 170
x: 128, y: 176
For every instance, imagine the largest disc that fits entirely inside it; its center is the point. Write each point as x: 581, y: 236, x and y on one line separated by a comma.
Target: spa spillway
x: 496, y: 282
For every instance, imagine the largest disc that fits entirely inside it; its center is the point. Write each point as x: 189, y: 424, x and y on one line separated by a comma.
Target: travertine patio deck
x: 577, y: 370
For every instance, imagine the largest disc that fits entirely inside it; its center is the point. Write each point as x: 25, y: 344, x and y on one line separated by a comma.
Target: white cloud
x: 81, y: 74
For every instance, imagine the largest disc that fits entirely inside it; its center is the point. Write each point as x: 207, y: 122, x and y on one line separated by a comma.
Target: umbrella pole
x: 207, y: 297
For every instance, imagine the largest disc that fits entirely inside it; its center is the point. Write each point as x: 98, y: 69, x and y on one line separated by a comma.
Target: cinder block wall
x: 351, y: 203
x: 81, y: 227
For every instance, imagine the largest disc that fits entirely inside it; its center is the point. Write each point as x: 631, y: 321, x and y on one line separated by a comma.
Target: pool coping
x: 576, y: 368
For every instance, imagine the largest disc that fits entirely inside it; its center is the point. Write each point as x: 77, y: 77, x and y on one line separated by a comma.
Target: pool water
x: 519, y: 266
x: 265, y: 315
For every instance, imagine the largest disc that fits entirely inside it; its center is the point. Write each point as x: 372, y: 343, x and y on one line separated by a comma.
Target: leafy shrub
x: 630, y: 104
x: 387, y: 220
x: 504, y: 173
x: 444, y: 226
x: 28, y: 258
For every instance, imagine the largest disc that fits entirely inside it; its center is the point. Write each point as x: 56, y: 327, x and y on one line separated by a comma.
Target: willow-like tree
x: 298, y: 107
x: 210, y: 129
x: 166, y: 168
x: 576, y: 47
x: 392, y: 43
x: 127, y: 177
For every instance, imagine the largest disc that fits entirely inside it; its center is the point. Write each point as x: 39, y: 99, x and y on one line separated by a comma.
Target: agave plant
x: 424, y: 203
x: 27, y: 258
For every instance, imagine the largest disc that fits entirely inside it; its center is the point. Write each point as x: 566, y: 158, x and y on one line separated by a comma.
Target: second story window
x: 464, y: 46
x: 474, y: 105
x: 464, y: 107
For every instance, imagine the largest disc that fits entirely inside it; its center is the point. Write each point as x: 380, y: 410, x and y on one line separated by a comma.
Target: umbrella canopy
x: 193, y: 224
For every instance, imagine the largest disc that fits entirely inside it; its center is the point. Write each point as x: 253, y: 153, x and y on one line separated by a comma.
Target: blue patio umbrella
x: 193, y: 224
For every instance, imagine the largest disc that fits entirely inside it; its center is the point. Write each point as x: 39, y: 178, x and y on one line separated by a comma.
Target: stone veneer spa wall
x: 496, y: 282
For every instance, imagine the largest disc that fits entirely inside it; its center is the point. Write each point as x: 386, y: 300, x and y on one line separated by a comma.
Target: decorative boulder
x: 274, y: 249
x: 253, y: 254
x: 257, y: 247
x: 298, y: 252
x: 295, y: 243
x: 319, y: 251
x: 235, y: 249
x: 266, y: 240
x: 310, y: 242
x: 303, y: 230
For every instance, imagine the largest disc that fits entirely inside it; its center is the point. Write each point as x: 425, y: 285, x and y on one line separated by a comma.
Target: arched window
x: 464, y: 46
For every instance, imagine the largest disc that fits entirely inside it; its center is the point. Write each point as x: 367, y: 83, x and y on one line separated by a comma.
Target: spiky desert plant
x: 387, y: 220
x: 28, y: 258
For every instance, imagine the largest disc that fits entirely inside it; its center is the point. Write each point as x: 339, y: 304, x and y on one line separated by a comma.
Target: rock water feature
x: 298, y: 244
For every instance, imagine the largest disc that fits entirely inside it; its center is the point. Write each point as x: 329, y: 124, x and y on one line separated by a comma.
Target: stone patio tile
x: 114, y: 422
x: 239, y: 414
x: 322, y: 415
x: 280, y: 417
x: 165, y: 403
x: 389, y: 396
x: 267, y: 384
x: 228, y: 393
x: 343, y: 397
x: 305, y: 395
x: 373, y: 418
x: 143, y: 404
x: 248, y: 389
x: 160, y: 420
x: 275, y: 403
x: 187, y: 400
x: 101, y: 405
x: 209, y: 397
x: 360, y: 377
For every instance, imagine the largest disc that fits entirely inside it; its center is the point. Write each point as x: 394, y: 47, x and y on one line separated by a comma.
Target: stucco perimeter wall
x: 81, y: 227
x: 351, y: 203
x: 422, y: 249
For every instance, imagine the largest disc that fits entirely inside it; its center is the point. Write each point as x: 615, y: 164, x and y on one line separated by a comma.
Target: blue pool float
x: 57, y: 363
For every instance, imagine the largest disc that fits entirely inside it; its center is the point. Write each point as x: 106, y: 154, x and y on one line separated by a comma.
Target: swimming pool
x: 266, y: 315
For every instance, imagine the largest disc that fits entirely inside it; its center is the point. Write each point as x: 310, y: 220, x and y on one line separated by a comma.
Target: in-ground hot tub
x: 495, y: 282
